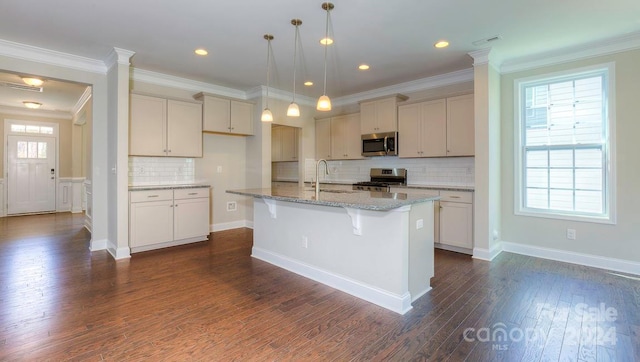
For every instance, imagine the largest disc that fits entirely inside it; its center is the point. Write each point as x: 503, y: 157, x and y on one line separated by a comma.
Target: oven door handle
x: 386, y: 150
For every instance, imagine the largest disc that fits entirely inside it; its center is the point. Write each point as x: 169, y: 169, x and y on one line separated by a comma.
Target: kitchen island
x: 377, y: 246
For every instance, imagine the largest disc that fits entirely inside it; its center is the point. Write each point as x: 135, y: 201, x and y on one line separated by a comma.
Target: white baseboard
x: 119, y: 252
x: 620, y: 265
x: 231, y: 225
x: 97, y: 244
x: 487, y: 254
x: 396, y: 303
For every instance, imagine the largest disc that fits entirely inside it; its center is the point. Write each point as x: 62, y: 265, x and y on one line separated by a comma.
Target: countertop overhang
x: 366, y: 200
x: 167, y: 187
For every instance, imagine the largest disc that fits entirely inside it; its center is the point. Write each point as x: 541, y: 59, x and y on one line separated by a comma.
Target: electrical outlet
x: 232, y: 206
x: 219, y: 169
x: 419, y: 224
x: 571, y: 234
x: 305, y: 242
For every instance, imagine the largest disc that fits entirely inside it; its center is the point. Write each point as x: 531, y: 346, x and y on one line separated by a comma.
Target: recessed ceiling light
x: 201, y: 51
x: 308, y: 83
x: 441, y: 44
x: 326, y: 41
x: 32, y: 105
x: 34, y: 82
x: 363, y: 66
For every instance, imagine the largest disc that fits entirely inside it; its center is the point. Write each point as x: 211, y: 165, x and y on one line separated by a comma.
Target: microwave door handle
x: 386, y: 150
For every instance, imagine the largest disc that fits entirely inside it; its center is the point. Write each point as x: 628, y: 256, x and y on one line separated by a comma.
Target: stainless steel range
x: 382, y: 179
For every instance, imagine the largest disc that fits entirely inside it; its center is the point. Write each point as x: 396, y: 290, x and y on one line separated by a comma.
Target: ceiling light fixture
x: 32, y: 105
x: 34, y: 82
x: 363, y: 67
x: 441, y: 44
x: 201, y: 51
x: 267, y: 116
x: 324, y: 103
x: 294, y: 110
x: 308, y: 83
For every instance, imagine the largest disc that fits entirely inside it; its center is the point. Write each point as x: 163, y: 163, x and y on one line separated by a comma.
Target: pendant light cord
x: 295, y: 50
x: 268, y: 68
x: 326, y: 37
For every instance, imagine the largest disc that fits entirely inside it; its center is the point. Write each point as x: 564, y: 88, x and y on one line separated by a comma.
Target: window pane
x: 561, y: 200
x: 561, y: 178
x: 537, y: 177
x: 537, y: 158
x: 22, y: 149
x: 590, y: 157
x: 42, y: 150
x: 32, y: 149
x: 33, y: 129
x: 561, y: 158
x: 18, y: 128
x: 46, y: 130
x: 537, y: 199
x: 589, y: 179
x: 589, y: 201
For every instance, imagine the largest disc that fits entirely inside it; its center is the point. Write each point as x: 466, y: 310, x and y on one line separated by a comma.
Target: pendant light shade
x: 324, y: 103
x: 267, y: 116
x: 294, y: 110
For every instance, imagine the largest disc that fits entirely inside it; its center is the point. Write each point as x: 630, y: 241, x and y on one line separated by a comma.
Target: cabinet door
x: 409, y: 142
x: 191, y: 218
x: 241, y: 118
x: 433, y: 130
x: 217, y: 114
x: 460, y: 126
x: 456, y: 224
x: 147, y: 126
x: 368, y: 123
x: 151, y: 223
x: 386, y: 115
x: 276, y: 143
x: 352, y: 140
x: 338, y: 137
x: 289, y: 143
x: 184, y: 129
x: 323, y: 138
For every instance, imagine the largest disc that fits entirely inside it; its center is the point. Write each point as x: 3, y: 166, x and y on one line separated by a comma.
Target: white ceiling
x: 394, y: 37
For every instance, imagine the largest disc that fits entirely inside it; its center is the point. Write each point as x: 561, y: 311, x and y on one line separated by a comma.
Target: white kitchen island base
x: 384, y: 257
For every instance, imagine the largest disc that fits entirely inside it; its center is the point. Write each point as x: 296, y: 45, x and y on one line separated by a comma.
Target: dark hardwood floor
x: 211, y: 301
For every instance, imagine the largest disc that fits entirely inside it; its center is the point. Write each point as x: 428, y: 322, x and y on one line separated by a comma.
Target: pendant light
x: 294, y: 110
x: 324, y: 103
x: 267, y: 116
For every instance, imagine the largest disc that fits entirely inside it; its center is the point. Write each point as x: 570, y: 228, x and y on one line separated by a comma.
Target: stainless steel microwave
x: 380, y: 144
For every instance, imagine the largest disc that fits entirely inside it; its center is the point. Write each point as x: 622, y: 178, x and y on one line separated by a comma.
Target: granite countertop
x: 168, y: 187
x: 440, y: 187
x: 367, y: 200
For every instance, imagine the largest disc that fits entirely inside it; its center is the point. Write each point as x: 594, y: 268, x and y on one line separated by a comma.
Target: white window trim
x: 610, y: 217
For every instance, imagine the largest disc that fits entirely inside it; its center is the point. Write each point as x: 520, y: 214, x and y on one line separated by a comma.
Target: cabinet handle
x: 170, y: 205
x: 168, y: 150
x: 454, y: 197
x: 153, y: 196
x: 192, y: 193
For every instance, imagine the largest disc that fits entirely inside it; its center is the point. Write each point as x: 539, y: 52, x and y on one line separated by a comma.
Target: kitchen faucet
x: 326, y: 168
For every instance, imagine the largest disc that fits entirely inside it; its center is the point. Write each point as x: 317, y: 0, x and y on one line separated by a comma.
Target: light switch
x: 419, y: 224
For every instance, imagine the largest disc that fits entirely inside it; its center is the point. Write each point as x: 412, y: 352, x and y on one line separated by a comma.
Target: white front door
x: 31, y: 174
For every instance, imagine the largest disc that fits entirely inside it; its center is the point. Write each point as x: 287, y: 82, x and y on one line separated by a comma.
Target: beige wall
x: 614, y: 241
x: 65, y: 141
x: 81, y: 145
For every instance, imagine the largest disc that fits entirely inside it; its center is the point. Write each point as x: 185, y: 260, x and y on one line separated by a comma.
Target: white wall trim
x: 584, y: 51
x: 620, y: 265
x: 397, y: 303
x: 96, y: 245
x: 487, y: 254
x: 2, y: 200
x: 77, y: 185
x: 147, y: 76
x: 84, y: 98
x: 64, y: 195
x: 51, y: 57
x: 230, y: 225
x: 19, y: 111
x: 118, y: 253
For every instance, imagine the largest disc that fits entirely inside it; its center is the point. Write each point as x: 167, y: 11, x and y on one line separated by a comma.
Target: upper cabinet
x: 439, y: 128
x: 380, y: 115
x: 284, y: 143
x: 224, y: 115
x: 164, y: 127
x: 337, y: 138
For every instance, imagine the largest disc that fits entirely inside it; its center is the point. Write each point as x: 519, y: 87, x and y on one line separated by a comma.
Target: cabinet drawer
x: 191, y: 193
x: 456, y: 196
x: 151, y: 195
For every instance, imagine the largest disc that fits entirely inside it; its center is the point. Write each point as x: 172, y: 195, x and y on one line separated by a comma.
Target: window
x: 32, y: 149
x: 21, y: 128
x: 563, y: 165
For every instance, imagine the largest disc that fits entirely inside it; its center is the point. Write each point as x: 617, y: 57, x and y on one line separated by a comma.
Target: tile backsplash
x: 160, y: 170
x: 449, y: 171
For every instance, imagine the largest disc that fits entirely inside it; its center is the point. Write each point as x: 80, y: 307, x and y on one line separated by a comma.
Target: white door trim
x: 7, y: 132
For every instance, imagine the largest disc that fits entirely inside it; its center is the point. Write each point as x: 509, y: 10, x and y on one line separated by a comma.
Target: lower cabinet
x: 162, y: 218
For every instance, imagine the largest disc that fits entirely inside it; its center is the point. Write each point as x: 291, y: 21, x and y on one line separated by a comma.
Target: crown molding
x: 86, y: 95
x: 118, y: 56
x: 460, y: 76
x: 15, y: 111
x: 274, y: 93
x: 51, y: 57
x: 584, y: 51
x: 147, y: 76
x: 481, y: 56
